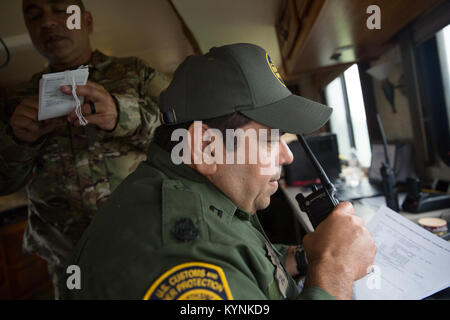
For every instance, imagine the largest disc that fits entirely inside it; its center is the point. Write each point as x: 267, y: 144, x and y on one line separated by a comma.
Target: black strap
x: 302, y: 262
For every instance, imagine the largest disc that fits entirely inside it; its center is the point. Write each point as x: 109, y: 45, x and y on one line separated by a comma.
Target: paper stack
x: 411, y: 262
x: 52, y: 102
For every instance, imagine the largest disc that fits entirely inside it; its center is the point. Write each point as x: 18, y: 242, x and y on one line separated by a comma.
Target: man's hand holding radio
x: 340, y: 251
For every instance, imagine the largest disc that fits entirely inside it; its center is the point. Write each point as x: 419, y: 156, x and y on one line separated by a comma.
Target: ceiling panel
x: 220, y: 22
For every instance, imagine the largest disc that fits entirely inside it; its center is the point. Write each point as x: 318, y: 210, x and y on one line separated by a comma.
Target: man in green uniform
x: 184, y: 224
x: 70, y: 170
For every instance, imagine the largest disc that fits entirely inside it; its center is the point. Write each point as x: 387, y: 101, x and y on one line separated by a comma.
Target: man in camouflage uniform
x: 70, y: 170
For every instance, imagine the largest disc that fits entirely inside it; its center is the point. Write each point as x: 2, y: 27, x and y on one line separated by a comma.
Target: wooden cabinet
x: 287, y: 28
x: 316, y: 35
x: 22, y: 276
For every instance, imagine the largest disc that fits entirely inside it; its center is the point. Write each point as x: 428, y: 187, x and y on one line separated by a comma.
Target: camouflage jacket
x: 69, y: 173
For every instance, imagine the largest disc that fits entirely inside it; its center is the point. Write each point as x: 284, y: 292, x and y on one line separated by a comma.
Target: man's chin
x: 57, y: 54
x: 263, y: 204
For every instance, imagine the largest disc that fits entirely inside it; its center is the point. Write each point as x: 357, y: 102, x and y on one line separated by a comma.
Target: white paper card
x: 411, y: 262
x: 52, y: 102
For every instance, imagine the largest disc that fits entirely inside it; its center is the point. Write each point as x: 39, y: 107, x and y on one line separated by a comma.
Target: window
x: 443, y: 43
x: 432, y: 61
x: 348, y: 120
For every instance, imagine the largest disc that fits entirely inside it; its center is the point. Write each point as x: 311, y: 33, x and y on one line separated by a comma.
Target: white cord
x: 78, y: 112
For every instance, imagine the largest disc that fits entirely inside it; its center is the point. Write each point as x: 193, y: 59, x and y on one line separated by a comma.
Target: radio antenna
x: 383, y: 137
x: 322, y: 175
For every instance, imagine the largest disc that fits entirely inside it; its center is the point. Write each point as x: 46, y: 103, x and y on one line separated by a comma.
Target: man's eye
x: 32, y: 15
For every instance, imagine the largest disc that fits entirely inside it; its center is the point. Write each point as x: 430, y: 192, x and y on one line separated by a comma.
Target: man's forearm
x: 137, y: 118
x: 331, y: 278
x: 333, y: 285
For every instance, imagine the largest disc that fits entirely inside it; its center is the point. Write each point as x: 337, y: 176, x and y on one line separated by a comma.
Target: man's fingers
x: 345, y: 207
x: 88, y: 91
x: 95, y: 85
x: 85, y: 110
x: 26, y: 136
x: 28, y: 112
x: 26, y: 124
x: 90, y: 119
x: 43, y: 130
x: 106, y: 114
x: 31, y: 102
x: 32, y: 126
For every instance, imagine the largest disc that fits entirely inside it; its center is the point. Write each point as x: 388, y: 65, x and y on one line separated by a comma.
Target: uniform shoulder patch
x: 274, y: 69
x: 191, y: 281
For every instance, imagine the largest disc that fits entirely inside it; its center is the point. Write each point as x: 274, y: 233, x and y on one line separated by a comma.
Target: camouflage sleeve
x: 139, y: 115
x: 16, y: 160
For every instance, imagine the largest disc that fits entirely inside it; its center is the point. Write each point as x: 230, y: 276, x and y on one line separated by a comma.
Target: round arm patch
x: 191, y: 281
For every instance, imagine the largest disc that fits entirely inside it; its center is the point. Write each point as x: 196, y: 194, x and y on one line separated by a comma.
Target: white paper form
x: 52, y: 102
x: 411, y: 262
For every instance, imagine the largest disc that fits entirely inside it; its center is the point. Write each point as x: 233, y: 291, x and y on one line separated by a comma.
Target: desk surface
x: 364, y: 208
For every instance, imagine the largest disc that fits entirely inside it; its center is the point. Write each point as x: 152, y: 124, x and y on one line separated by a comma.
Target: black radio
x: 319, y: 204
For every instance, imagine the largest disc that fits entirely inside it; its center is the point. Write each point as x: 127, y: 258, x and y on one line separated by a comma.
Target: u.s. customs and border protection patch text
x: 274, y: 69
x: 191, y: 281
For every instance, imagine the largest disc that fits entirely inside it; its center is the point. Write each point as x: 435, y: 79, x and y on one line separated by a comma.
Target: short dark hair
x: 81, y: 5
x: 233, y: 121
x: 78, y: 3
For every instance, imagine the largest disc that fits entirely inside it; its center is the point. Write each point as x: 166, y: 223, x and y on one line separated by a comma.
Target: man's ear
x: 198, y: 155
x: 89, y: 21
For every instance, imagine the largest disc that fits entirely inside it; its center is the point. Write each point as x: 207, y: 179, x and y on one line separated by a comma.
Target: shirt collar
x: 98, y: 61
x: 216, y: 199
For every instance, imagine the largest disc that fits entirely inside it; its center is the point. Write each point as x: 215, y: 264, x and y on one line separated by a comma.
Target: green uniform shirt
x: 70, y: 172
x: 168, y: 233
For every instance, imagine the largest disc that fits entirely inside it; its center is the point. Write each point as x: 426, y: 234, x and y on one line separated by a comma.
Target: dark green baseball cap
x: 238, y: 78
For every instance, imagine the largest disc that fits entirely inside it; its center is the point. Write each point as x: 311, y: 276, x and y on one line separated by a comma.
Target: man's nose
x: 48, y: 21
x: 286, y: 156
